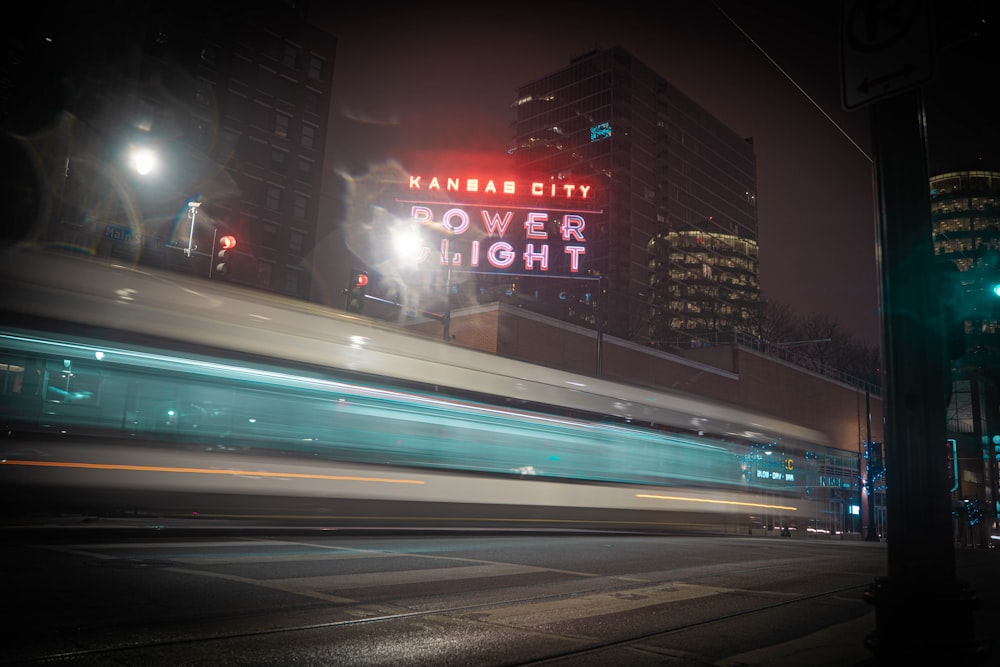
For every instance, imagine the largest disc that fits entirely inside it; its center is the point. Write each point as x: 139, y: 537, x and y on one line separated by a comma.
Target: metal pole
x: 448, y: 258
x: 869, y: 469
x: 447, y: 308
x: 600, y: 327
x: 920, y: 607
x: 192, y: 213
x: 211, y: 255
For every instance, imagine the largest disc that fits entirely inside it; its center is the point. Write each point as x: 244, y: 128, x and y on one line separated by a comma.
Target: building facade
x: 676, y: 246
x: 848, y: 480
x: 230, y: 104
x: 965, y: 218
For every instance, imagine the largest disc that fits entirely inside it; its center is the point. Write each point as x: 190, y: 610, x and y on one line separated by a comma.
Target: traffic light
x: 988, y: 280
x: 970, y: 300
x: 356, y: 291
x: 992, y: 288
x: 224, y: 253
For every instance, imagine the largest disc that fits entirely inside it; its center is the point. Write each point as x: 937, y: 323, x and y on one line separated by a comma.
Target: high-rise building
x: 965, y: 223
x: 965, y: 219
x: 232, y: 101
x: 676, y: 243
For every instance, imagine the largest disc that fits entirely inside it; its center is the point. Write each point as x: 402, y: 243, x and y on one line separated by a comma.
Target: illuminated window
x: 281, y: 125
x: 600, y: 131
x: 69, y: 385
x: 15, y: 379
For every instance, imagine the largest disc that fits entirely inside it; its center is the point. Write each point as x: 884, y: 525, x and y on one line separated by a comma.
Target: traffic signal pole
x: 921, y: 609
x: 211, y: 260
x: 356, y: 292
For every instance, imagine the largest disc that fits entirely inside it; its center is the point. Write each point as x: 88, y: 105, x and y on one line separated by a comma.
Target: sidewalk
x: 843, y: 645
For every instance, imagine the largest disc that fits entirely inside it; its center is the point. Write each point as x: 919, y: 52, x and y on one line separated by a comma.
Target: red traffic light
x: 227, y: 242
x: 356, y: 291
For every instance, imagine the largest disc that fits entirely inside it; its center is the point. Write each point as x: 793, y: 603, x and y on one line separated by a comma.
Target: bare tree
x: 777, y: 323
x: 817, y: 342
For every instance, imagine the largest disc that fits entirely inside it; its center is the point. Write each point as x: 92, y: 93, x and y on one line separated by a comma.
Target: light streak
x: 717, y: 502
x: 207, y: 471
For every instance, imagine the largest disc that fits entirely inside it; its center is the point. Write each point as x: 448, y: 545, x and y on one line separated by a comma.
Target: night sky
x: 421, y: 83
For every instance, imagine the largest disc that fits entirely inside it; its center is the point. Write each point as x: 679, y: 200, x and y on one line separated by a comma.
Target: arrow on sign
x: 904, y: 72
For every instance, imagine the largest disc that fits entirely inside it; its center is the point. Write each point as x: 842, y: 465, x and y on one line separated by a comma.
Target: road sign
x: 886, y: 48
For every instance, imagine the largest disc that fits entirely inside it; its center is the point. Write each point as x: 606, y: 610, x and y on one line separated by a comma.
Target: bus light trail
x: 717, y: 502
x: 207, y: 471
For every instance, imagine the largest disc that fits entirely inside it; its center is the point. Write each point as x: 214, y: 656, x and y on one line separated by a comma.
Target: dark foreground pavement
x: 841, y: 645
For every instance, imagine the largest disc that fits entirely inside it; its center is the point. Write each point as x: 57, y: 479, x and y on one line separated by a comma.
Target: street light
x: 412, y: 250
x: 192, y: 213
x: 409, y: 246
x: 143, y: 160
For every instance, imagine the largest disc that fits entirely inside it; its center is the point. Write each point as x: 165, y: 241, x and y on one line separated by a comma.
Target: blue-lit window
x: 69, y: 385
x: 601, y: 131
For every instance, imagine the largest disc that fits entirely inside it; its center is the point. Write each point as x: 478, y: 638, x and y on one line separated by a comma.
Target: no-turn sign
x: 886, y: 47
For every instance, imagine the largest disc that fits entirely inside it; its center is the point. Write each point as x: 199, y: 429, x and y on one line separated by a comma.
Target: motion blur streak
x: 206, y: 471
x: 718, y: 502
x: 250, y: 405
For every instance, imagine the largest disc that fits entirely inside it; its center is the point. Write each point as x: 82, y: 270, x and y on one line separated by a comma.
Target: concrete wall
x: 728, y: 373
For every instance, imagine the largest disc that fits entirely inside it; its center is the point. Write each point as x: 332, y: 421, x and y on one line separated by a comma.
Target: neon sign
x: 508, y: 187
x: 542, y: 236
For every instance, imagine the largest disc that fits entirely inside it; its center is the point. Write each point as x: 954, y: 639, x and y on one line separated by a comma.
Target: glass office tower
x: 675, y: 245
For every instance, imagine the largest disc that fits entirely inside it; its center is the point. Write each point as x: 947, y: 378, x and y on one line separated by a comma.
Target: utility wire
x: 787, y: 76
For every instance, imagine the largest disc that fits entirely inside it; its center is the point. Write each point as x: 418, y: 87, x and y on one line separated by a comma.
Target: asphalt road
x: 130, y: 594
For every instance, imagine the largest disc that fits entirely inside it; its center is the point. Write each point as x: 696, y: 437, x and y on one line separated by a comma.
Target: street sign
x: 885, y: 47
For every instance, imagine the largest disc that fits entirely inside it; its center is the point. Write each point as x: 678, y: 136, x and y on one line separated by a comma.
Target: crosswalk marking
x: 325, y: 587
x: 398, y: 578
x: 534, y: 614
